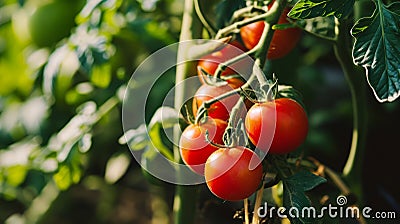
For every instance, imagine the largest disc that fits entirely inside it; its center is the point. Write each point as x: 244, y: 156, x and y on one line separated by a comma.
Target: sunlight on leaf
x: 137, y: 139
x: 116, y: 167
x: 101, y: 75
x: 16, y: 174
x: 377, y: 50
x: 62, y: 62
x: 18, y: 153
x: 66, y: 176
x: 307, y: 9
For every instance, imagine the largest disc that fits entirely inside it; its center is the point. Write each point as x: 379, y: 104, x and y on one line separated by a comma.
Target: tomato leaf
x: 293, y: 192
x: 137, y: 139
x: 377, y: 50
x: 150, y: 138
x: 290, y: 92
x: 307, y: 9
x: 320, y: 26
x: 163, y: 118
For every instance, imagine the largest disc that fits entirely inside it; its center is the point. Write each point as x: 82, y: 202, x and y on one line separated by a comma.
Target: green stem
x: 260, y: 50
x: 237, y: 25
x: 207, y: 104
x: 356, y: 81
x: 265, y: 40
x: 210, y: 29
x: 185, y: 196
x: 266, y: 37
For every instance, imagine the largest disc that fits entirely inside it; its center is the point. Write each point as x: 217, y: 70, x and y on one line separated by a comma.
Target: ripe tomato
x: 233, y: 173
x: 282, y: 121
x: 220, y: 109
x: 193, y: 144
x: 209, y: 63
x: 283, y: 41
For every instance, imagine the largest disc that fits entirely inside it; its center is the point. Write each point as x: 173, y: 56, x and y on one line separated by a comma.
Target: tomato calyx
x: 210, y: 79
x: 269, y: 92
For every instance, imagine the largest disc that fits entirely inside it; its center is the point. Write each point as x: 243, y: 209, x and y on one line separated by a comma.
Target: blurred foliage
x: 63, y: 69
x: 62, y: 73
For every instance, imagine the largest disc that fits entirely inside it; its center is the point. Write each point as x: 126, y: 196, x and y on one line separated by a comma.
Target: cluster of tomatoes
x: 279, y: 126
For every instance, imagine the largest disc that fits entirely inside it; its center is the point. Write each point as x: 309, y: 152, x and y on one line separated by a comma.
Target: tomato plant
x: 194, y: 146
x: 65, y: 65
x: 283, y: 41
x: 283, y: 121
x: 233, y: 173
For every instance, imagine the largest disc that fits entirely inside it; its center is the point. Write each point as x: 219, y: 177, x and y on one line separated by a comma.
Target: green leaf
x: 163, y: 118
x: 137, y: 139
x: 16, y: 174
x: 307, y: 9
x: 101, y: 75
x: 166, y: 116
x: 377, y: 50
x: 60, y: 69
x: 66, y: 176
x: 285, y: 91
x: 293, y: 192
x: 320, y: 26
x: 150, y: 138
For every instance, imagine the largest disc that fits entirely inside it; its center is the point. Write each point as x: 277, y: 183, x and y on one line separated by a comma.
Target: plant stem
x: 246, y: 211
x: 185, y: 196
x: 257, y: 204
x: 210, y: 29
x: 355, y: 79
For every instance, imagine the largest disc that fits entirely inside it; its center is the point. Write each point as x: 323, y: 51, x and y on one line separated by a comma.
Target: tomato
x: 279, y: 126
x: 193, y: 144
x: 209, y: 63
x: 233, y: 173
x: 53, y: 21
x: 222, y: 108
x: 283, y: 41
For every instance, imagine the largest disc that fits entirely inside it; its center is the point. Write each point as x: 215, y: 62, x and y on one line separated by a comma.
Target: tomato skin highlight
x: 222, y: 108
x: 233, y: 173
x: 283, y: 41
x: 193, y: 144
x: 282, y: 120
x: 209, y: 63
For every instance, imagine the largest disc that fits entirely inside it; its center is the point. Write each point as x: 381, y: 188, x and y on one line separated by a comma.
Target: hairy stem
x: 355, y: 79
x: 185, y: 196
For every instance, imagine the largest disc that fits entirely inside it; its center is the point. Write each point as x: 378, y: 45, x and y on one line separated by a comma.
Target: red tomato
x: 209, y: 63
x: 279, y: 126
x: 222, y: 108
x: 193, y: 144
x: 283, y: 41
x: 233, y: 173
